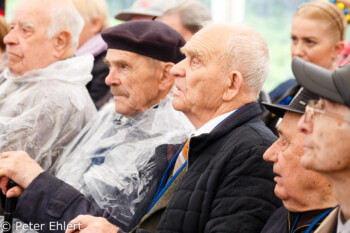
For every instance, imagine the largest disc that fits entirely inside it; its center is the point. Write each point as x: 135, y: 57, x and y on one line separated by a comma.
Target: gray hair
x: 194, y: 14
x: 247, y: 52
x: 65, y: 17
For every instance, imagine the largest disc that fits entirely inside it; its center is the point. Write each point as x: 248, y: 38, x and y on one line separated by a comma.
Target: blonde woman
x: 96, y: 18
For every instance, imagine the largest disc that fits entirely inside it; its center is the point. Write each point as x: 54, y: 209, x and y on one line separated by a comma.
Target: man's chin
x: 307, y: 161
x: 15, y: 72
x: 177, y: 104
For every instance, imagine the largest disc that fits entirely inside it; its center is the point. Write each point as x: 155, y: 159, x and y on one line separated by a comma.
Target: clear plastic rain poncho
x: 42, y: 111
x: 111, y: 161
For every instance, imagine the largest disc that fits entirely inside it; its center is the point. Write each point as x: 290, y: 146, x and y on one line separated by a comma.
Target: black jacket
x: 228, y: 186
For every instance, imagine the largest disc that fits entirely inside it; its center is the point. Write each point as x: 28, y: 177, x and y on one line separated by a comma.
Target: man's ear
x: 61, y: 42
x: 234, y: 85
x: 166, y: 80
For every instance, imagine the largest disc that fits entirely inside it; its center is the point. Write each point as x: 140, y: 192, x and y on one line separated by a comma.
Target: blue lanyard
x: 163, y: 186
x: 319, y: 218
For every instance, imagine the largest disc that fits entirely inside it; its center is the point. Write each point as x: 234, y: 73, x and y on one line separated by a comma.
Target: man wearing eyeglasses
x: 307, y: 196
x: 326, y: 125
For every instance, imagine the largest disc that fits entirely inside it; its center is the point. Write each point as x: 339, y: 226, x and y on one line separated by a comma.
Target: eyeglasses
x: 315, y: 106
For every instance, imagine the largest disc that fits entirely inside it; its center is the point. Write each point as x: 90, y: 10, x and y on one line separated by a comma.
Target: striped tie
x: 181, y: 159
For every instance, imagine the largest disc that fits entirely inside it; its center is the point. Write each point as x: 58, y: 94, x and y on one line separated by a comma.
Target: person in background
x: 113, y: 164
x: 187, y: 17
x: 307, y: 195
x: 317, y: 35
x: 144, y: 9
x: 96, y: 17
x: 326, y: 126
x: 44, y: 103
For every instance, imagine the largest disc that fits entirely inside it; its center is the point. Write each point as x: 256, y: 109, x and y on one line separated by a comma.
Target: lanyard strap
x: 163, y: 186
x: 295, y: 222
x: 313, y: 224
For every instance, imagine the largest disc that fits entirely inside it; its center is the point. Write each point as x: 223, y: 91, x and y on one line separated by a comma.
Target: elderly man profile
x: 187, y: 17
x: 225, y: 185
x: 43, y: 102
x: 112, y: 162
x: 307, y: 195
x: 326, y: 125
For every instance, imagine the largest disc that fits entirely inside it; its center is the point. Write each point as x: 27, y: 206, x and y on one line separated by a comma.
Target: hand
x: 19, y: 167
x: 12, y: 192
x: 88, y: 223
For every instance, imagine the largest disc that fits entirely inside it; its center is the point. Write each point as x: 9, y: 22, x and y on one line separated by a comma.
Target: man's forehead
x: 289, y: 123
x: 119, y: 52
x: 123, y: 55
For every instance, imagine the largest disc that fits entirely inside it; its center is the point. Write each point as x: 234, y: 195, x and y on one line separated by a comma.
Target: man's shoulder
x: 245, y: 126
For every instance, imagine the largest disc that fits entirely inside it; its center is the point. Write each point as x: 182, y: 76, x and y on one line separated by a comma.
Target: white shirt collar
x: 342, y: 226
x: 210, y: 125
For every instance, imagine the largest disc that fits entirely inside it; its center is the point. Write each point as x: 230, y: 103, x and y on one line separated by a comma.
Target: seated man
x: 326, y: 125
x: 43, y: 102
x: 225, y: 185
x: 306, y: 194
x: 111, y: 162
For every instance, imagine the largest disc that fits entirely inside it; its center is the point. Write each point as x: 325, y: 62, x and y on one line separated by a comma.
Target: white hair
x: 247, y: 52
x: 65, y: 17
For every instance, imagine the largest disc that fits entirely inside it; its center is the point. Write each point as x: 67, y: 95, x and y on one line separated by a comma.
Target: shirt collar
x: 210, y: 125
x: 342, y: 226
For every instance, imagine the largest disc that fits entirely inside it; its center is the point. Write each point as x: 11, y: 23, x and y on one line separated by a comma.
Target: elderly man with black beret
x: 112, y: 164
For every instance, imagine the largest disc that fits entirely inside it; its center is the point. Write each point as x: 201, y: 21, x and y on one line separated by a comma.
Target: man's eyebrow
x: 192, y: 53
x: 280, y: 132
x: 27, y: 25
x: 106, y: 61
x: 109, y: 62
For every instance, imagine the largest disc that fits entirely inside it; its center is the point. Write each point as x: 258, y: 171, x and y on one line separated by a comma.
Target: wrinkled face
x: 198, y: 78
x: 327, y: 147
x: 293, y: 182
x: 311, y: 41
x: 134, y: 81
x: 27, y: 44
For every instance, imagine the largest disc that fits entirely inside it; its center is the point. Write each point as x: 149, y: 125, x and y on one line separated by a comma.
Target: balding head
x: 42, y: 32
x: 222, y: 73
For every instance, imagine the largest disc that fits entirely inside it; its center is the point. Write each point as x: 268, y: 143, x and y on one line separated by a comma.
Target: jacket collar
x: 247, y: 113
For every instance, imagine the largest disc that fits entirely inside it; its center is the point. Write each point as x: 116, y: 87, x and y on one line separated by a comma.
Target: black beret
x: 146, y: 37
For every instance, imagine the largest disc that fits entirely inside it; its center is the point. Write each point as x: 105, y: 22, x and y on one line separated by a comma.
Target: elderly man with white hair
x: 43, y: 102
